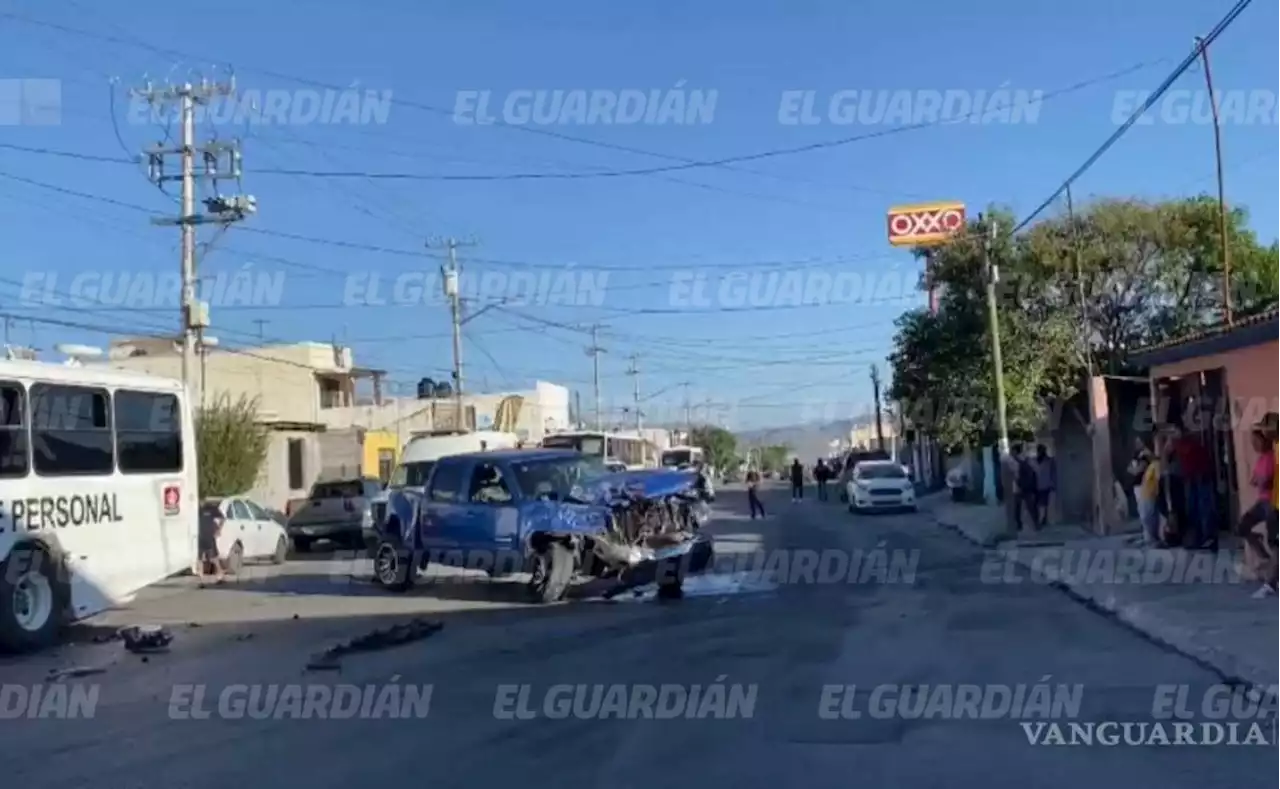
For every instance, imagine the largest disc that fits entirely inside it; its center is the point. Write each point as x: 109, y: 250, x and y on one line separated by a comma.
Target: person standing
x: 1196, y: 470
x: 1025, y: 484
x: 753, y: 494
x: 1144, y: 473
x: 797, y: 481
x: 1257, y: 525
x: 1046, y: 484
x: 821, y: 473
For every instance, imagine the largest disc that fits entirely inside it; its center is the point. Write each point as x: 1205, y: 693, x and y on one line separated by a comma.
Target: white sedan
x: 248, y: 532
x: 880, y: 485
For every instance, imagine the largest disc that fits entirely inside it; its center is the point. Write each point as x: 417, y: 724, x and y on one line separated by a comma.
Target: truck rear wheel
x: 33, y: 599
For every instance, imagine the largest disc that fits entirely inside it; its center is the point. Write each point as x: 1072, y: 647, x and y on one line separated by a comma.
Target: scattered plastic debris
x: 721, y: 585
x: 386, y: 638
x: 75, y: 672
x: 146, y: 639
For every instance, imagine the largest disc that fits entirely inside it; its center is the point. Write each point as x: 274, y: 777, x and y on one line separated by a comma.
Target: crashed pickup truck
x: 555, y: 514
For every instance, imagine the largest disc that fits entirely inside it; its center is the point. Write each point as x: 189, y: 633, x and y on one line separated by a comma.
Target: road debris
x: 386, y: 638
x: 74, y: 672
x: 146, y: 639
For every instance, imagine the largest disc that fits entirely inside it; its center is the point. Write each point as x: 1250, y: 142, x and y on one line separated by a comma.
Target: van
x: 420, y: 456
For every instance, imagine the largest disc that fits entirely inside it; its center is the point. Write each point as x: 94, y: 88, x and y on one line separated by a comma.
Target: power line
x: 682, y: 163
x: 1155, y: 96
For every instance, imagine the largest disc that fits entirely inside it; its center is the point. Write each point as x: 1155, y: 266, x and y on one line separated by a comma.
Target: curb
x: 1228, y: 668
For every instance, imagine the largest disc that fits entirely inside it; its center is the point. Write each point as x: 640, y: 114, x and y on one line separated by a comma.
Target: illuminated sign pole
x: 926, y: 226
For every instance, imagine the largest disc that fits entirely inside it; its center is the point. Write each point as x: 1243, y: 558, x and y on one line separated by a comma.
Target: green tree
x: 773, y: 457
x: 720, y: 446
x: 231, y: 446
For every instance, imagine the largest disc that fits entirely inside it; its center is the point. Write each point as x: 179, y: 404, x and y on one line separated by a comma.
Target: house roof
x: 1220, y: 338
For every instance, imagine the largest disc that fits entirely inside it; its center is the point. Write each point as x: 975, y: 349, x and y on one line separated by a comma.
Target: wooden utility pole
x: 1227, y: 307
x: 875, y: 393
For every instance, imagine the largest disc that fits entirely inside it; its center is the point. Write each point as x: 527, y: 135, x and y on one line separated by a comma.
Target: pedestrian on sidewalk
x: 753, y: 494
x: 1144, y: 474
x: 821, y: 474
x: 1258, y: 524
x: 1046, y: 484
x: 1196, y: 469
x: 797, y: 481
x: 1024, y: 492
x: 209, y: 562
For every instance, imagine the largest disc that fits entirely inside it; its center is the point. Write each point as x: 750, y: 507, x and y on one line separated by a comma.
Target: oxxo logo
x: 912, y: 225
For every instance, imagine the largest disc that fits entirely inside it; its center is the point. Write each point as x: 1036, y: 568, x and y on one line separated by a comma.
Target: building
x: 321, y: 426
x: 1229, y: 372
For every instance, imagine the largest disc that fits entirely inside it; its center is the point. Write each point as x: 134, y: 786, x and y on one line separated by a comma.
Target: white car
x: 248, y: 532
x: 880, y: 485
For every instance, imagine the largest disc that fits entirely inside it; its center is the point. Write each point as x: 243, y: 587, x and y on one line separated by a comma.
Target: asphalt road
x: 779, y: 644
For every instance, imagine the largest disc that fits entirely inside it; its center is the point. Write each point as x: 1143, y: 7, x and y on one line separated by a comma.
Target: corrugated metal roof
x: 1212, y: 339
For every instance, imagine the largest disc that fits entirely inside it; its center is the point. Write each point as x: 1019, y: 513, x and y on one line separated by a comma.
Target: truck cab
x: 502, y: 511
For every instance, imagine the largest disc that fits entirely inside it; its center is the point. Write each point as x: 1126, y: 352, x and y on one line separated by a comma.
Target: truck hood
x: 649, y: 484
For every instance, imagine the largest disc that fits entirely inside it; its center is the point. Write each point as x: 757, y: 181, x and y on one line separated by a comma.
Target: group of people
x: 1035, y: 480
x: 1173, y: 485
x: 823, y: 474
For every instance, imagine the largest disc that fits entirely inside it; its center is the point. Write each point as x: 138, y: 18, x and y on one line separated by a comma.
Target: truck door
x: 492, y: 517
x: 443, y: 515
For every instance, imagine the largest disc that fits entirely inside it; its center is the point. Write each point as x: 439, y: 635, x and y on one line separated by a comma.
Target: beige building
x: 320, y: 427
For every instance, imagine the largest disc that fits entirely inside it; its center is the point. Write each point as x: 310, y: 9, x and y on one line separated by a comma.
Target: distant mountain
x: 806, y: 441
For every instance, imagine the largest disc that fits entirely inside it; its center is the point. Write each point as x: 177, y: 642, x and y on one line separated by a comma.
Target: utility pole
x: 594, y: 352
x: 688, y: 412
x: 1227, y: 307
x: 260, y: 323
x: 875, y: 393
x: 634, y: 372
x: 221, y: 161
x: 993, y: 317
x: 449, y: 276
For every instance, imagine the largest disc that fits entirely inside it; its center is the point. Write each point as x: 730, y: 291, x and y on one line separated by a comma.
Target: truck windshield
x: 411, y: 475
x: 555, y: 478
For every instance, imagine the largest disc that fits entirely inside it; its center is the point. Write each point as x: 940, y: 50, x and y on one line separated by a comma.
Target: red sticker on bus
x: 172, y: 500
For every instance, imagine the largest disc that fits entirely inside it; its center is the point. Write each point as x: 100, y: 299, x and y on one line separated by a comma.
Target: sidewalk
x: 1195, y: 603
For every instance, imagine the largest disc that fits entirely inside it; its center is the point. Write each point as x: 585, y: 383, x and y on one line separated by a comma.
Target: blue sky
x: 824, y: 209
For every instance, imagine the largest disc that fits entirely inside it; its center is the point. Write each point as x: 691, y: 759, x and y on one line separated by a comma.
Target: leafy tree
x: 720, y: 446
x: 773, y: 458
x: 231, y: 446
x: 1124, y: 274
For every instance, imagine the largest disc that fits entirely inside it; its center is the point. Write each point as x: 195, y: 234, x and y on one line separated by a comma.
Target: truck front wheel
x: 552, y: 572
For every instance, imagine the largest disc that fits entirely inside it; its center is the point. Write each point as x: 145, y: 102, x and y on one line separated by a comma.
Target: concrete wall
x: 272, y: 489
x: 375, y: 444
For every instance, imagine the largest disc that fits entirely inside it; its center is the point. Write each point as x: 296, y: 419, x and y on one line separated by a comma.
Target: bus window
x: 70, y: 430
x: 148, y: 432
x: 14, y: 458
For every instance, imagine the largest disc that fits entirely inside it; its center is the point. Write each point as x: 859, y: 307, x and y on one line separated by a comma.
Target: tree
x: 231, y: 446
x: 774, y: 457
x: 720, y: 446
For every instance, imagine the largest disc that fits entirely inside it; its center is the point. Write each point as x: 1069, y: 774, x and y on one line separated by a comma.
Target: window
x: 488, y: 486
x: 446, y: 483
x: 240, y: 511
x: 386, y: 464
x: 412, y: 475
x: 342, y: 489
x: 14, y: 456
x: 295, y: 464
x: 256, y: 512
x: 71, y: 430
x: 148, y: 432
x: 554, y: 479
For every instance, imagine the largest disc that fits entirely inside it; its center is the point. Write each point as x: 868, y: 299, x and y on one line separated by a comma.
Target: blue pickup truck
x: 554, y: 514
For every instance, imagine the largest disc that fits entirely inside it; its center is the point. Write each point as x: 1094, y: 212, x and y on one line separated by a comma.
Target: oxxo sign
x: 924, y: 225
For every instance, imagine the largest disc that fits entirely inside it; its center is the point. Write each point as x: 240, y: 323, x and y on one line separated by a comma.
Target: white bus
x: 675, y: 457
x: 632, y: 452
x: 98, y: 493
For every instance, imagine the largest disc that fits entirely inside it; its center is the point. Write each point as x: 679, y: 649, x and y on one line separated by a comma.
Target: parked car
x: 880, y: 485
x: 851, y: 460
x: 549, y: 512
x: 248, y: 532
x: 338, y: 511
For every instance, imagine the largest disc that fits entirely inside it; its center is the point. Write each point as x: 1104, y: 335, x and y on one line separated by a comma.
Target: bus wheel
x: 32, y: 599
